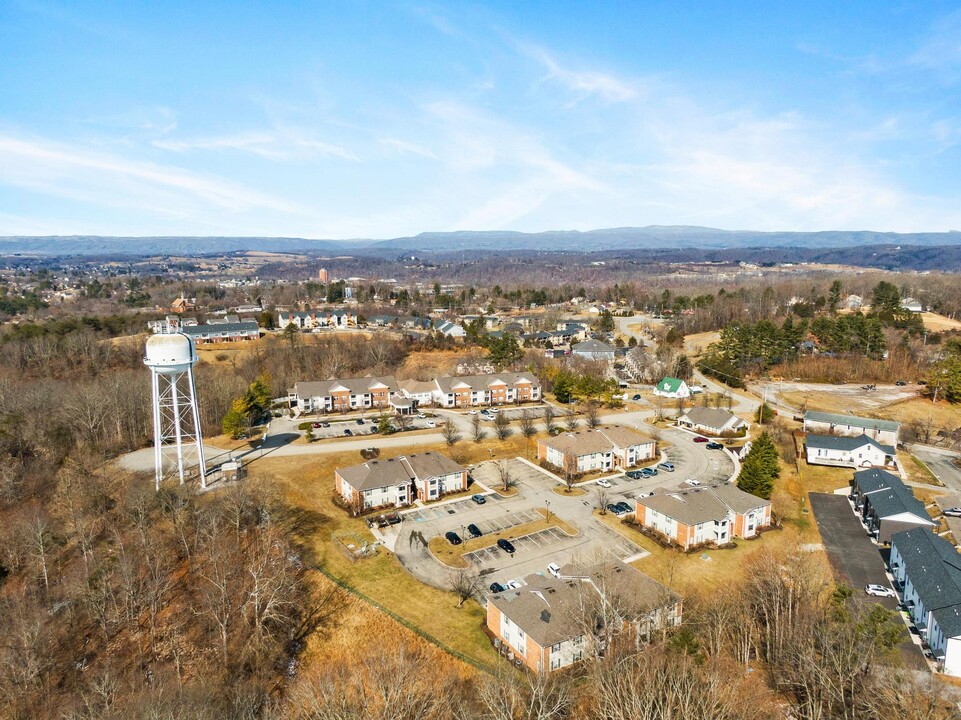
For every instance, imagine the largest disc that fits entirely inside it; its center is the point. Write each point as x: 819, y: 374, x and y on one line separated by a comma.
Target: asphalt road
x: 941, y: 463
x: 857, y: 561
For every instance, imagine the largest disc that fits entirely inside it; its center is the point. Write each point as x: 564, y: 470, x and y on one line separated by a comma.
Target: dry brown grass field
x: 429, y: 364
x: 939, y: 323
x: 696, y: 344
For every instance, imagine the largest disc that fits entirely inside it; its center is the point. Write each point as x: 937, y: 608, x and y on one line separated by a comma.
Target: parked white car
x: 604, y: 483
x: 431, y: 424
x: 879, y: 591
x: 554, y: 569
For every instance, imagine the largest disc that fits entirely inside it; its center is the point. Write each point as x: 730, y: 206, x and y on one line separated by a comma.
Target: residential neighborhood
x: 480, y: 361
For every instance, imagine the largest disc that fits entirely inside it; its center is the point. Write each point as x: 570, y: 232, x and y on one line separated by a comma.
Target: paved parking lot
x: 435, y: 512
x: 521, y: 474
x: 856, y: 560
x: 534, y: 541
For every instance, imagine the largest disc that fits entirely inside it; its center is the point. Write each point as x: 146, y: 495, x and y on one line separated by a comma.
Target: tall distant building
x: 322, y: 275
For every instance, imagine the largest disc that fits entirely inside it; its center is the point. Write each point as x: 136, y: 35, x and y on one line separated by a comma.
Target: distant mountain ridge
x: 608, y: 239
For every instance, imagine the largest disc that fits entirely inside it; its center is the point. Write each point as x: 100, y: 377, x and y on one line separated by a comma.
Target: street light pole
x: 548, y: 503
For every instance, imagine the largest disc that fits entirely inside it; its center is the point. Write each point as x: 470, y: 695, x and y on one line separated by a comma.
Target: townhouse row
x: 404, y: 396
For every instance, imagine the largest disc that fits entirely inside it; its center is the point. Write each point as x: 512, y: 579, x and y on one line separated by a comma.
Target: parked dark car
x: 347, y: 431
x: 714, y: 446
x: 637, y: 397
x: 701, y: 439
x: 315, y: 425
x: 359, y: 421
x: 900, y: 383
x: 474, y: 531
x: 479, y: 499
x: 506, y: 546
x: 497, y: 587
x: 634, y: 474
x: 624, y: 507
x: 453, y: 538
x: 615, y: 509
x: 325, y: 424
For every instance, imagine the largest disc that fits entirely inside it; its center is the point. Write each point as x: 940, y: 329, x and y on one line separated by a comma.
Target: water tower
x: 176, y: 420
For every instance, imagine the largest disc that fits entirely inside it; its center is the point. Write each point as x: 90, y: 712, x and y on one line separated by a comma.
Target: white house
x: 594, y: 350
x: 712, y: 421
x: 927, y: 571
x: 853, y: 452
x: 446, y: 327
x: 672, y: 388
x: 822, y: 423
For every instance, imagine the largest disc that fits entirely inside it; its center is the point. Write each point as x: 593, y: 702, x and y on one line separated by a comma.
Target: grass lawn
x: 306, y: 483
x: 698, y: 573
x: 823, y: 478
x: 453, y: 555
x: 940, y: 414
x: 918, y: 471
x: 573, y: 492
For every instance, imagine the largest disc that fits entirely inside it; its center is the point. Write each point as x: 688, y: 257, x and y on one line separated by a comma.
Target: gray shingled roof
x: 934, y: 568
x: 357, y: 386
x: 592, y: 346
x: 601, y: 440
x: 711, y: 417
x: 482, y: 382
x: 220, y: 328
x: 692, y: 505
x: 887, y: 495
x: 845, y: 443
x: 851, y: 420
x: 549, y: 609
x: 396, y: 471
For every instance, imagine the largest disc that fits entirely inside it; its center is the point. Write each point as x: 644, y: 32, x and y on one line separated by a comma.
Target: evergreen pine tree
x: 760, y: 468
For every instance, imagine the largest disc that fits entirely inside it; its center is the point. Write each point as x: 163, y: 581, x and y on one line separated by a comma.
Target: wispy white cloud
x: 941, y: 50
x: 270, y: 145
x: 110, y: 180
x: 583, y: 83
x: 405, y: 147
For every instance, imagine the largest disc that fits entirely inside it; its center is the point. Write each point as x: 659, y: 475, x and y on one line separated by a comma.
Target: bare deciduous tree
x: 504, y: 474
x: 450, y: 432
x: 502, y: 426
x: 464, y: 584
x: 549, y: 416
x: 592, y: 414
x: 527, y: 424
x: 477, y: 430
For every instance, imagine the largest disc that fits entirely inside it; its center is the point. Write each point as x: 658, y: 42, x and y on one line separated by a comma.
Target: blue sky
x: 381, y: 119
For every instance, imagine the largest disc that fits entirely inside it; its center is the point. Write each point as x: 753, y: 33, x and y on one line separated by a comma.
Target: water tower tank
x: 173, y: 353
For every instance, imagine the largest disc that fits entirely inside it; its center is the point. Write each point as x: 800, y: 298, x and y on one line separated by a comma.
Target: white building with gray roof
x: 927, y: 571
x: 823, y: 423
x: 844, y: 451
